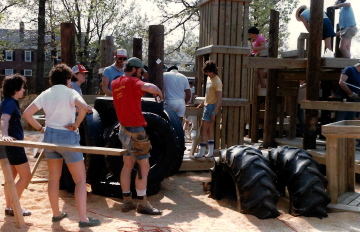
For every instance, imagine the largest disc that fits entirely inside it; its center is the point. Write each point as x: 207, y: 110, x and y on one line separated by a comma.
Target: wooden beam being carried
x: 274, y: 63
x: 63, y: 147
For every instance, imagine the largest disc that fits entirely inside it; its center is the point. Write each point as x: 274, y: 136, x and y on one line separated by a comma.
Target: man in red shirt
x: 127, y: 91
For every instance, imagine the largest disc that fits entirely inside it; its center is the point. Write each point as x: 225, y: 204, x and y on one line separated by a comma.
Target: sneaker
x: 198, y: 157
x: 90, y: 223
x: 10, y: 212
x: 208, y: 156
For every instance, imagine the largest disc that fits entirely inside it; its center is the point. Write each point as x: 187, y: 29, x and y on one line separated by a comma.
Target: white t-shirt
x: 58, y: 103
x: 175, y: 85
x: 192, y: 90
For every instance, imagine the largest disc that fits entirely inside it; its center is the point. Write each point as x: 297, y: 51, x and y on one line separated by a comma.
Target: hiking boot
x: 145, y: 208
x: 128, y: 204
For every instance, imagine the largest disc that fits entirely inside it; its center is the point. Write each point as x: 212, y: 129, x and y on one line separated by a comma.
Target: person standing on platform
x: 258, y: 44
x: 211, y: 104
x: 114, y: 71
x: 350, y: 75
x: 303, y: 15
x: 127, y: 91
x: 12, y: 91
x: 177, y: 91
x: 347, y: 25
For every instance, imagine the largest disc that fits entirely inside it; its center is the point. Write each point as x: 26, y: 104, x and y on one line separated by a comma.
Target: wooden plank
x: 228, y: 23
x: 332, y: 168
x: 290, y: 54
x: 318, y: 156
x: 201, y: 35
x: 234, y: 6
x: 342, y: 174
x: 281, y: 117
x: 209, y: 26
x: 350, y: 168
x: 215, y: 24
x: 240, y: 21
x: 337, y: 62
x: 330, y: 105
x: 246, y: 24
x: 218, y: 118
x: 350, y: 198
x: 293, y: 117
x: 11, y: 188
x: 344, y: 207
x: 238, y: 117
x: 206, y: 26
x: 226, y: 101
x: 255, y: 110
x: 65, y: 147
x: 37, y: 181
x: 194, y: 165
x: 301, y: 48
x: 274, y: 63
x: 355, y: 202
x: 342, y: 197
x: 221, y: 35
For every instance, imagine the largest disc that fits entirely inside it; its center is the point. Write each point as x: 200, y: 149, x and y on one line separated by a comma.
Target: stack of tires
x: 102, y: 129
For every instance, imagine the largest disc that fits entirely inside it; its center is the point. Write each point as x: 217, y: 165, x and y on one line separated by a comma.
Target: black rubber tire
x: 175, y: 122
x: 93, y: 136
x: 163, y: 141
x: 296, y: 169
x: 253, y: 179
x: 218, y: 177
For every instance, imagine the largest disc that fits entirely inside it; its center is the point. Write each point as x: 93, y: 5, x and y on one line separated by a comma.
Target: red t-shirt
x: 257, y: 43
x: 127, y: 101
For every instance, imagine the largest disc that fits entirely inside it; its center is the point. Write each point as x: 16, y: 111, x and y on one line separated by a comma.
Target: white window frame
x: 7, y: 70
x: 27, y: 70
x: 12, y: 55
x: 25, y: 56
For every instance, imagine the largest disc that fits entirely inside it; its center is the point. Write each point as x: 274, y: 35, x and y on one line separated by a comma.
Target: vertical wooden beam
x: 68, y: 44
x: 10, y: 187
x: 215, y: 23
x: 313, y: 72
x: 107, y: 51
x: 342, y: 163
x: 137, y: 47
x: 293, y: 117
x: 255, y: 109
x: 350, y: 158
x: 270, y: 119
x: 156, y: 55
x: 281, y: 117
x: 240, y: 22
x: 332, y: 168
x: 246, y: 24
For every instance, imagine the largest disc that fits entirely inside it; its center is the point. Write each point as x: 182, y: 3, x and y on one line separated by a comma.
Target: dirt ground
x: 186, y: 207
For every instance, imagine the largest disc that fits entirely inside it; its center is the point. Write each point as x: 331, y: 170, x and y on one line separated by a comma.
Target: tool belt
x: 141, y: 142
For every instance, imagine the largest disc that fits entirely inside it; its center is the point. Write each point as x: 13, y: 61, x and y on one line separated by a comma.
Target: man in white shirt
x: 177, y: 91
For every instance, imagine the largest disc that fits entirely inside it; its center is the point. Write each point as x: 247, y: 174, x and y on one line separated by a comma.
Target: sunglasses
x: 122, y: 58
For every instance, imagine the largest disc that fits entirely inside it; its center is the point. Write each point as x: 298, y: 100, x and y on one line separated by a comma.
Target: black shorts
x: 16, y: 155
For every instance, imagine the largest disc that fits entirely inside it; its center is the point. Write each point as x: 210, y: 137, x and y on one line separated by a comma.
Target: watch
x: 214, y: 113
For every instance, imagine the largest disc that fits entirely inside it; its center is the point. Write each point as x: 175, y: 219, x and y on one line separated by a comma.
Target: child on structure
x: 347, y: 25
x: 12, y: 90
x: 257, y: 44
x: 303, y: 15
x: 211, y: 104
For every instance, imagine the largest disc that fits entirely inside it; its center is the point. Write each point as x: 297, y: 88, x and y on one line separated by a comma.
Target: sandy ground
x: 185, y: 205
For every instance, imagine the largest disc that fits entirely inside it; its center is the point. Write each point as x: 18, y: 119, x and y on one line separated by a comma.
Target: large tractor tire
x: 93, y: 136
x: 163, y: 141
x: 175, y: 122
x: 253, y: 179
x: 296, y: 169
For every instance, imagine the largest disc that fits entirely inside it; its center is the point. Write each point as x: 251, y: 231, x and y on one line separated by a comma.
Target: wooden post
x: 68, y: 44
x: 271, y: 103
x: 156, y: 55
x: 137, y: 48
x: 313, y: 72
x: 107, y: 51
x: 15, y: 203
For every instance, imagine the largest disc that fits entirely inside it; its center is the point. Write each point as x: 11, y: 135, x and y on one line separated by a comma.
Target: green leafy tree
x: 260, y: 17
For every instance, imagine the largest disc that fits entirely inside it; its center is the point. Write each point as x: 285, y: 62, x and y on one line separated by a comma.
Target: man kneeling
x: 127, y: 91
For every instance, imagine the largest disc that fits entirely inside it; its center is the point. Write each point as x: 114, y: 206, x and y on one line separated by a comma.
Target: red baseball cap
x: 79, y: 69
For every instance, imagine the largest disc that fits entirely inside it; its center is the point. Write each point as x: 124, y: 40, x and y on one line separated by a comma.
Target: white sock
x: 140, y: 193
x: 126, y: 192
x: 202, y: 149
x: 211, y: 148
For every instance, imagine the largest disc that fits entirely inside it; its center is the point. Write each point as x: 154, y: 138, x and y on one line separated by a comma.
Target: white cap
x: 121, y: 52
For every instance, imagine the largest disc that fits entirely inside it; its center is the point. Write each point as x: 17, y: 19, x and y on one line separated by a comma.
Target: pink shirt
x: 257, y: 43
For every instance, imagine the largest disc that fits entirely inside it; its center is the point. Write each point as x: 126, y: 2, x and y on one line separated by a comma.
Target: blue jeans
x: 207, y: 112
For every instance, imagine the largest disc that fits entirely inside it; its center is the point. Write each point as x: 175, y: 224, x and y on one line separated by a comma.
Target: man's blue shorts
x: 207, y: 112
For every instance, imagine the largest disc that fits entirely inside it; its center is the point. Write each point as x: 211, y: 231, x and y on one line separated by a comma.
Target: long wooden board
x: 330, y: 105
x: 226, y: 101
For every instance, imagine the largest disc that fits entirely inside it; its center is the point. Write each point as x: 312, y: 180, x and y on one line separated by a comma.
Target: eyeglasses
x: 122, y: 58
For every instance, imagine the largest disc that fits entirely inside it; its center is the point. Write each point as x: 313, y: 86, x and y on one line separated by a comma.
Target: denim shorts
x: 207, y: 112
x: 65, y: 137
x: 127, y: 142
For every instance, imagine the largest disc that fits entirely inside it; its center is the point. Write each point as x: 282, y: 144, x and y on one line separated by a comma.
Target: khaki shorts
x: 348, y: 33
